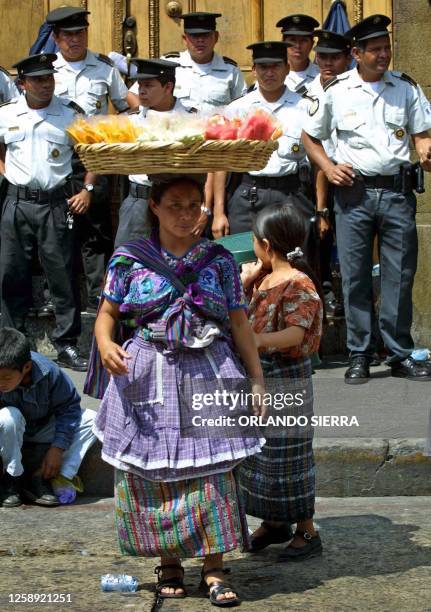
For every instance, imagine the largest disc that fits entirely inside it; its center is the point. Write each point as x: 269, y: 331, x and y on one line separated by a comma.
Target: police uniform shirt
x: 38, y: 149
x: 8, y: 89
x: 295, y: 80
x: 139, y: 118
x: 315, y: 91
x: 372, y: 128
x: 290, y: 111
x: 93, y: 85
x: 205, y: 86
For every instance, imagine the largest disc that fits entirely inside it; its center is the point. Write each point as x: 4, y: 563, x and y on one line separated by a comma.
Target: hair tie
x: 296, y: 254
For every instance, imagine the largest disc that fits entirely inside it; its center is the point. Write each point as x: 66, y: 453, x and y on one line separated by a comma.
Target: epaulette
x: 301, y: 90
x: 250, y: 88
x: 5, y: 71
x: 105, y: 58
x: 229, y: 60
x: 75, y: 106
x: 171, y: 54
x: 405, y: 77
x: 192, y: 110
x: 133, y: 112
x: 13, y: 101
x: 331, y: 82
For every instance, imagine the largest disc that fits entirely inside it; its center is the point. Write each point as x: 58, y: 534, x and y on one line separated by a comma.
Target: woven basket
x: 160, y: 157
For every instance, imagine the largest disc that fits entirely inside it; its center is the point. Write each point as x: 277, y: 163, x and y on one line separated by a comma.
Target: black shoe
x: 313, y: 548
x: 359, y: 370
x: 40, y: 492
x: 10, y: 491
x: 47, y: 310
x: 411, y: 369
x: 69, y: 357
x: 273, y: 535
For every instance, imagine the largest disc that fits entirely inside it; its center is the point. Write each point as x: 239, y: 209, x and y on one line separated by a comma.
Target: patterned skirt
x: 278, y: 484
x: 186, y: 518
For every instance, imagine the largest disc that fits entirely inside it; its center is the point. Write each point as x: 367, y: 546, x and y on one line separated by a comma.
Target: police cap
x: 269, y: 52
x: 36, y: 65
x: 200, y: 23
x: 330, y: 42
x: 69, y: 18
x: 153, y: 68
x: 297, y: 25
x: 371, y: 27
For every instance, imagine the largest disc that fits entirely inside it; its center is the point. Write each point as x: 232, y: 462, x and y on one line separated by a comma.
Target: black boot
x: 10, y: 490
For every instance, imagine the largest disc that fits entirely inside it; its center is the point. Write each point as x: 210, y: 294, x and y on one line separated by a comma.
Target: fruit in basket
x: 257, y: 126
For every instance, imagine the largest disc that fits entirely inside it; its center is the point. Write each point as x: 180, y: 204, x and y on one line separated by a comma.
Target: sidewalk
x: 377, y: 556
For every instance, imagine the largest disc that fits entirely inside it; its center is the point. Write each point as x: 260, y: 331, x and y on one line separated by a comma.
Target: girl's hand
x: 113, y: 356
x: 258, y: 408
x: 250, y: 271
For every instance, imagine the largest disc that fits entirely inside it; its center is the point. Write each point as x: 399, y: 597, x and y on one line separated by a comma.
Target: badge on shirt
x: 98, y: 104
x: 55, y: 153
x: 400, y: 133
x: 314, y: 107
x: 14, y: 128
x: 295, y: 148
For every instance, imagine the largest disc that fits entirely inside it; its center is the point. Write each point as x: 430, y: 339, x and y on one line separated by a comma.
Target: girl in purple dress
x: 175, y: 484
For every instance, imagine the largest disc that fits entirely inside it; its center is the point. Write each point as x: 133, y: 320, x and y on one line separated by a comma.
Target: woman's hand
x: 258, y: 407
x: 113, y: 357
x: 323, y: 225
x: 200, y: 225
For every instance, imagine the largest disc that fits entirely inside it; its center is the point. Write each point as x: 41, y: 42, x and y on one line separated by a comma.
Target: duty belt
x: 290, y: 181
x: 21, y: 192
x: 139, y: 191
x: 381, y: 182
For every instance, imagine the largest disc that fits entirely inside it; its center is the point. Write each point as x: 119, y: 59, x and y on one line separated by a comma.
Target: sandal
x: 174, y: 583
x: 216, y: 588
x: 313, y: 548
x: 274, y: 535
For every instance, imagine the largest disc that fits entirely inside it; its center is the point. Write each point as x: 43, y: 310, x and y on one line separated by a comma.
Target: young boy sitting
x: 38, y: 405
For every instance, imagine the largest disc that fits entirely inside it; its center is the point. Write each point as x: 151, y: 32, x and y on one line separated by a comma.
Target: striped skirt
x: 278, y: 484
x: 186, y: 518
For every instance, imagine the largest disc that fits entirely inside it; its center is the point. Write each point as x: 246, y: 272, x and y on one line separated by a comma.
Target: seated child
x: 39, y: 405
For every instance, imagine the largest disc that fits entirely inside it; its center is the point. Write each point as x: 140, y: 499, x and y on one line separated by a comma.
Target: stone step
x: 344, y: 468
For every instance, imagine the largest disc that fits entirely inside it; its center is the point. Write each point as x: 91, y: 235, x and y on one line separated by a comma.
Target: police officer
x: 204, y: 79
x: 375, y: 111
x: 298, y: 30
x: 333, y: 57
x: 39, y: 205
x: 8, y: 89
x: 91, y: 80
x: 281, y: 176
x: 156, y: 80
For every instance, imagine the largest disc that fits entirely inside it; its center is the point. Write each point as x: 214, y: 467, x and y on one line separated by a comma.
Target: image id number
x: 40, y: 598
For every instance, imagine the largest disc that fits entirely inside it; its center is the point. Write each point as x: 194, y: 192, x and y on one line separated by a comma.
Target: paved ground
x: 377, y: 557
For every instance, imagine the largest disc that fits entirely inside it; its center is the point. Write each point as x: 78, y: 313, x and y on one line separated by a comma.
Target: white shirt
x: 205, y: 86
x: 8, y: 89
x: 295, y: 80
x: 38, y: 148
x: 290, y: 110
x: 92, y: 86
x: 372, y: 128
x: 139, y: 118
x: 315, y: 90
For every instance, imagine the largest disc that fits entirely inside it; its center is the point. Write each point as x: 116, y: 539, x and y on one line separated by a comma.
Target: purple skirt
x: 145, y: 417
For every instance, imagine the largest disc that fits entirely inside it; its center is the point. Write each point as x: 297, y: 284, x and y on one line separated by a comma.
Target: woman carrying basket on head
x: 175, y: 490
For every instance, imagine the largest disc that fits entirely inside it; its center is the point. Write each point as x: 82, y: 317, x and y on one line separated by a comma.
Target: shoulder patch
x: 314, y: 106
x: 406, y: 77
x: 228, y: 60
x: 331, y: 82
x: 171, y: 54
x: 192, y: 110
x: 75, y: 106
x: 105, y: 58
x: 13, y: 101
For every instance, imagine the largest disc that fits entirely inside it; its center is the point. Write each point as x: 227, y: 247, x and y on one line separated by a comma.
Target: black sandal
x: 313, y: 548
x: 174, y: 583
x: 216, y: 588
x: 273, y: 535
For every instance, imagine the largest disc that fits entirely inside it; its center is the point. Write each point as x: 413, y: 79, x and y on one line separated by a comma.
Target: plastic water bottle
x: 420, y: 354
x: 119, y: 582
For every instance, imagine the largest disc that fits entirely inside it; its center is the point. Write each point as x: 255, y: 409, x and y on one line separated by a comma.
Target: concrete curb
x: 363, y: 468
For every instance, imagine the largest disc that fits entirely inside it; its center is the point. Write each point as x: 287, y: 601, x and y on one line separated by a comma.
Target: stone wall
x: 412, y: 46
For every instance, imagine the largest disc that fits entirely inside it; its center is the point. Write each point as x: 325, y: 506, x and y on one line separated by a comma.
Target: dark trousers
x: 247, y: 200
x: 25, y: 226
x: 360, y: 216
x: 132, y: 215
